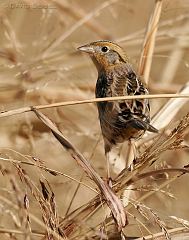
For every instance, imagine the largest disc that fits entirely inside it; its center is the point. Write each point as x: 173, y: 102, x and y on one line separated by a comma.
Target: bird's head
x: 104, y: 54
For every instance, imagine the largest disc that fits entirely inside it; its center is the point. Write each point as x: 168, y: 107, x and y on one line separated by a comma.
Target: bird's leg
x: 133, y: 154
x: 109, y: 180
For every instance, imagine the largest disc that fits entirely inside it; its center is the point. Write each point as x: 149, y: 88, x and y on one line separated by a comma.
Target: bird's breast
x: 103, y: 86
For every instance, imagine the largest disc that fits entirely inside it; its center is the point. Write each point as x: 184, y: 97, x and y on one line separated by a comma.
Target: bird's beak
x: 86, y: 48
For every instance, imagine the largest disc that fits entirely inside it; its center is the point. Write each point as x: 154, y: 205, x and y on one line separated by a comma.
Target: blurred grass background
x: 39, y: 64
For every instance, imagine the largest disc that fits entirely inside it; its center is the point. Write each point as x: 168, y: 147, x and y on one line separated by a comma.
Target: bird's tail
x: 143, y: 125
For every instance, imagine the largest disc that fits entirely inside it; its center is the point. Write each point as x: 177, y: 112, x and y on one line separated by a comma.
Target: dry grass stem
x: 78, y: 13
x: 159, y: 235
x: 170, y: 109
x: 78, y: 24
x: 69, y: 103
x: 149, y: 42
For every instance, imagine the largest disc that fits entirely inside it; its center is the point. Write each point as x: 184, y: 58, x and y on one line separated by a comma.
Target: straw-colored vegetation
x: 54, y: 191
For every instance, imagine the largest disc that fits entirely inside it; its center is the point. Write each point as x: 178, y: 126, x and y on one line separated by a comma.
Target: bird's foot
x: 132, y: 166
x: 110, y: 182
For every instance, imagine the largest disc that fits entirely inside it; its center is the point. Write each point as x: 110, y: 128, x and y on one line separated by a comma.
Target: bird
x: 122, y: 120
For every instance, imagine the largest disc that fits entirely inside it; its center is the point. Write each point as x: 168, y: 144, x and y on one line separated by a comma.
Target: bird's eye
x: 104, y: 49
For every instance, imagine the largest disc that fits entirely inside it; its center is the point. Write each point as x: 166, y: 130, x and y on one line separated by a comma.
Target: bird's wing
x: 118, y: 113
x: 128, y: 84
x: 135, y: 112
